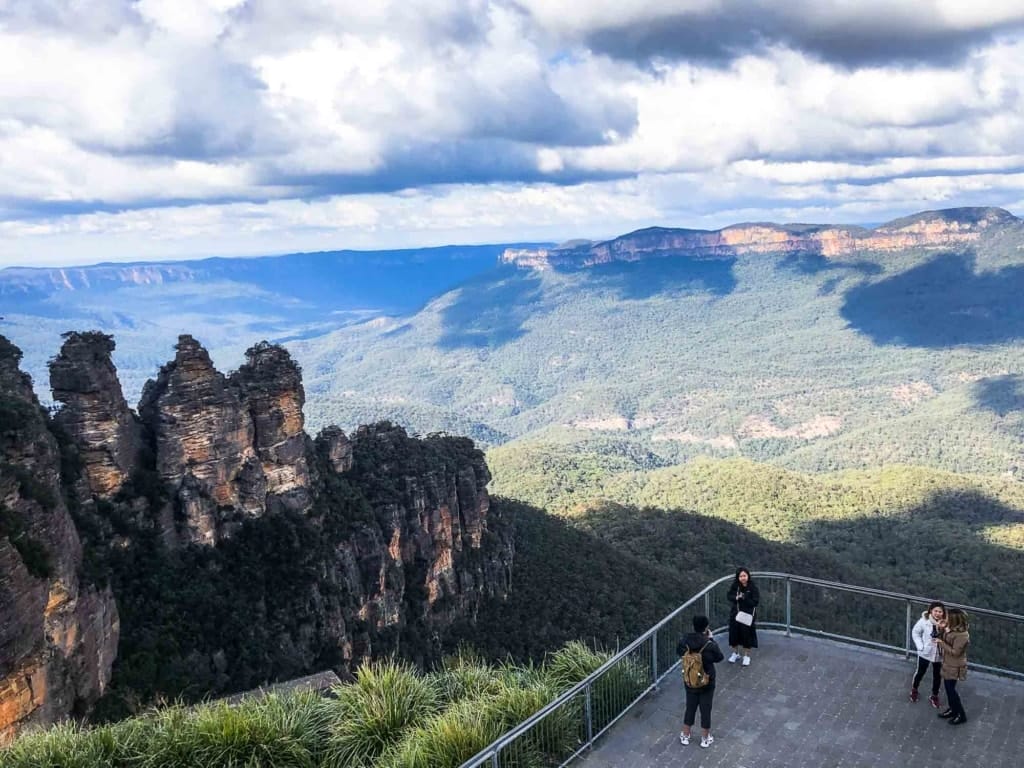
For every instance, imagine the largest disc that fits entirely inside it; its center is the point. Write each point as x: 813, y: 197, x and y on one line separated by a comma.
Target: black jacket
x: 748, y: 602
x: 712, y: 653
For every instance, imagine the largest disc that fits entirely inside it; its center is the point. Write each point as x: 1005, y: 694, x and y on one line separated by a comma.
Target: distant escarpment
x: 237, y: 549
x: 930, y: 229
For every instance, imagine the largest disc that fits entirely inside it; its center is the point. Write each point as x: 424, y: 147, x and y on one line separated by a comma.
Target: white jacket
x: 922, y: 634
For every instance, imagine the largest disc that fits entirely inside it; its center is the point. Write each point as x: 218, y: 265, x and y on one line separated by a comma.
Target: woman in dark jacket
x: 743, y: 596
x: 700, y: 641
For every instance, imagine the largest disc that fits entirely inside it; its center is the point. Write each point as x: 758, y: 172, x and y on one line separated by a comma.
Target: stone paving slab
x: 811, y: 703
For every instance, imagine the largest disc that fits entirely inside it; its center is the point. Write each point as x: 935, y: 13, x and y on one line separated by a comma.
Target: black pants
x: 699, y: 697
x: 922, y: 665
x: 953, y: 698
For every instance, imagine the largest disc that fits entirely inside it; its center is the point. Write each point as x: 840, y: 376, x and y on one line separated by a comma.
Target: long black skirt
x: 742, y: 636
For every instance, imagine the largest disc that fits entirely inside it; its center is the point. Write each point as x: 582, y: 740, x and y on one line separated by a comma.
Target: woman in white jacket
x: 927, y: 628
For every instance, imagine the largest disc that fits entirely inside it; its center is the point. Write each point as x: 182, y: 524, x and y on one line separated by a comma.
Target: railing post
x: 495, y: 763
x: 654, y: 659
x: 590, y: 720
x: 707, y: 605
x: 789, y: 607
x: 910, y: 626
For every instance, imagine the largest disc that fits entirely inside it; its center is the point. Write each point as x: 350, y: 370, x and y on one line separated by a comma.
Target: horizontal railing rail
x: 563, y: 729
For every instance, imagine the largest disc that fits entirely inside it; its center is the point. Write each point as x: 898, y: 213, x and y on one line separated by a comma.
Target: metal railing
x: 569, y: 725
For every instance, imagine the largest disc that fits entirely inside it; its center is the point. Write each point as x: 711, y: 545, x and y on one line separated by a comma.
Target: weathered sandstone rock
x: 95, y: 413
x: 58, y: 636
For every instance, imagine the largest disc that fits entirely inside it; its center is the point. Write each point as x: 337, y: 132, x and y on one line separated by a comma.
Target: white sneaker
x: 734, y: 658
x: 707, y: 742
x: 684, y: 739
x: 746, y: 661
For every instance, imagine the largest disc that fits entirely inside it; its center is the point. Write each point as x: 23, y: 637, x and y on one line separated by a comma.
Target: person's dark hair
x: 741, y: 569
x: 700, y: 623
x: 936, y: 604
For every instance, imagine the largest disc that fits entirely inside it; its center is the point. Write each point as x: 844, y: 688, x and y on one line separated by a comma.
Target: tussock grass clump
x: 271, y: 732
x: 374, y: 713
x: 464, y: 675
x: 572, y: 663
x: 63, y: 746
x: 448, y: 739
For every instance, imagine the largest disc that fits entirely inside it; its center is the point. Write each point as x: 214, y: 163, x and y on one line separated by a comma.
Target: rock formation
x: 95, y: 413
x: 58, y: 636
x: 431, y: 526
x: 931, y: 229
x: 270, y: 383
x: 242, y: 550
x: 335, y: 448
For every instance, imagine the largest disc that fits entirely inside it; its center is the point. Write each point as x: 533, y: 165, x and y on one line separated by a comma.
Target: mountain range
x: 656, y: 347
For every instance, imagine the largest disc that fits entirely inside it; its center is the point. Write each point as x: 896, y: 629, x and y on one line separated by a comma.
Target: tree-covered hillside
x: 901, y: 528
x: 816, y: 364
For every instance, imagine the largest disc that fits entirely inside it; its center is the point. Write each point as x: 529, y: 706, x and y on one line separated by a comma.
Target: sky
x: 156, y: 129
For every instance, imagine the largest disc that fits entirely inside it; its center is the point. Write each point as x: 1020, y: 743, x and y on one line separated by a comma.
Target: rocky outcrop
x: 270, y: 383
x: 227, y: 448
x: 931, y: 229
x: 58, y: 636
x: 425, y: 563
x: 243, y: 551
x: 202, y: 437
x: 335, y: 447
x: 95, y: 413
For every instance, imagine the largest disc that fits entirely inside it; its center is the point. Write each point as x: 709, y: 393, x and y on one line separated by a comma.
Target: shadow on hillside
x: 1002, y: 395
x: 690, y: 543
x: 938, y: 547
x: 490, y: 311
x: 611, y: 573
x: 815, y: 264
x: 942, y: 303
x: 670, y: 275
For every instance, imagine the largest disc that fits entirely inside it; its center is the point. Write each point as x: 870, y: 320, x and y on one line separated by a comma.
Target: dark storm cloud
x: 899, y: 33
x: 450, y: 162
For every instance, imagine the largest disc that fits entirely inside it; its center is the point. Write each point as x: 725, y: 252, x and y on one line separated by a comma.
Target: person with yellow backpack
x: 699, y: 653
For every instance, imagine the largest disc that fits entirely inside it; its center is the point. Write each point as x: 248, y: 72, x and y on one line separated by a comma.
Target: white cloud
x: 502, y: 119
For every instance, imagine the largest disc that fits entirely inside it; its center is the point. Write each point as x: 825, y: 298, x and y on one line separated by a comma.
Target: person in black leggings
x: 924, y: 633
x: 700, y: 641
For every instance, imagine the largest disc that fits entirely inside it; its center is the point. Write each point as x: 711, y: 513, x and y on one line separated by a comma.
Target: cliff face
x: 95, y: 414
x: 933, y: 229
x: 426, y: 549
x: 59, y: 636
x: 240, y: 550
x: 270, y: 384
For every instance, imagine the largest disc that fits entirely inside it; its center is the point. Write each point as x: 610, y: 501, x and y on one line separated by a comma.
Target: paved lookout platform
x: 811, y: 703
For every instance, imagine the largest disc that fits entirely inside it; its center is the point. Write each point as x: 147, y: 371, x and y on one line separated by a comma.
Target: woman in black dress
x: 743, y: 596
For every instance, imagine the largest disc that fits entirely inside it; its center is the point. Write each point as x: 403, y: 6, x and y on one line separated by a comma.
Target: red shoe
x: 934, y: 701
x: 914, y: 695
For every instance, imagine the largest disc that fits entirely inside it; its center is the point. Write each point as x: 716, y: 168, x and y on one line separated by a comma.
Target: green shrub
x: 275, y: 732
x: 572, y: 663
x: 446, y: 741
x: 464, y: 675
x: 374, y: 713
x: 69, y: 745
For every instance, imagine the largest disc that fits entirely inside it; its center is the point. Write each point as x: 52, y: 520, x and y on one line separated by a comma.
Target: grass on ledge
x: 392, y: 716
